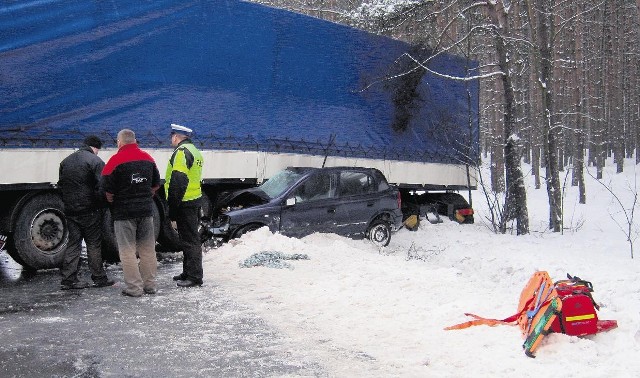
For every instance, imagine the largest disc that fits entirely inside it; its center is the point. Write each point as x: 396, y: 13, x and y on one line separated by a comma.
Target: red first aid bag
x: 578, y: 316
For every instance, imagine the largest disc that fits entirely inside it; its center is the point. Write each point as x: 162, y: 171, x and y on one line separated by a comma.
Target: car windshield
x: 279, y: 182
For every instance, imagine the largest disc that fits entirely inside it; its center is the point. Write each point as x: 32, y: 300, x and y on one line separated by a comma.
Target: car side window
x: 316, y: 187
x: 354, y: 183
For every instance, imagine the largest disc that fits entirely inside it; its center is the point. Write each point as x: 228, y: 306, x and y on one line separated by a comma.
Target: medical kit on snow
x: 565, y: 306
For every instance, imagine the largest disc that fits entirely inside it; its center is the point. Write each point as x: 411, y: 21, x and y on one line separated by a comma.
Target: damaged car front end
x: 249, y: 209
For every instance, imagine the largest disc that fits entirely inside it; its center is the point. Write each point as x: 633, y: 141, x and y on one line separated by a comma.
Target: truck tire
x: 452, y: 205
x: 156, y: 222
x: 40, y: 234
x: 168, y: 238
x: 448, y: 203
x: 109, y: 245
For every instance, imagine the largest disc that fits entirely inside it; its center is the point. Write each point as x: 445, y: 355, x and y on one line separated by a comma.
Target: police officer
x: 184, y: 193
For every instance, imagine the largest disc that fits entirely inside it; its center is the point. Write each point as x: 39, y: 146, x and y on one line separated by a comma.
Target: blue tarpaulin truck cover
x: 242, y: 75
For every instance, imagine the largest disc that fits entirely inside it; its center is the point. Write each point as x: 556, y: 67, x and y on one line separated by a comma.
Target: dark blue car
x: 349, y: 201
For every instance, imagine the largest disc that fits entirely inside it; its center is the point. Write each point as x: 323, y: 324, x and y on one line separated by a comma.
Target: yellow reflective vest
x: 184, y: 173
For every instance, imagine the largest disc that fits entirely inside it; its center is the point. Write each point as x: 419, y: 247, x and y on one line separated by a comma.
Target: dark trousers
x: 87, y: 226
x: 188, y: 219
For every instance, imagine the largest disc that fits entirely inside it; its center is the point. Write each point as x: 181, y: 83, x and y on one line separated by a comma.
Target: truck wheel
x: 109, y: 245
x: 456, y: 207
x: 156, y: 222
x: 168, y: 237
x: 379, y: 233
x: 40, y: 234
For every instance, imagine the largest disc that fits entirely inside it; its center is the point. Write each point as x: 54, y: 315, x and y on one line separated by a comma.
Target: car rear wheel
x: 379, y: 233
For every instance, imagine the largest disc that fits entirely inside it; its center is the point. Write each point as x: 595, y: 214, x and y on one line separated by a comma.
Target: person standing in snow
x: 130, y: 180
x: 184, y: 192
x: 79, y: 183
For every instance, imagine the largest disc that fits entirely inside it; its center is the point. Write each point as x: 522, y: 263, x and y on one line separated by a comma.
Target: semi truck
x: 262, y: 88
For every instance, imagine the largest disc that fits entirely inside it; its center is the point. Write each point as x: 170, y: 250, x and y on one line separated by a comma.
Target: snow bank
x: 362, y: 311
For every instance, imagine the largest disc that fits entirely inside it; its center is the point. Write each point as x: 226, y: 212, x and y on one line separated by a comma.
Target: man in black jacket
x: 79, y: 182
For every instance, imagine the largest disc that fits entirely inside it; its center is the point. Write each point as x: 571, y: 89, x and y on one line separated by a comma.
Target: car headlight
x: 221, y: 225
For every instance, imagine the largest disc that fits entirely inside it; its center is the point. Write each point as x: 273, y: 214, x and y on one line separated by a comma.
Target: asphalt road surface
x: 97, y: 332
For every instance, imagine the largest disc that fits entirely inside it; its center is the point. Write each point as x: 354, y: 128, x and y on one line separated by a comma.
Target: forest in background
x: 558, y: 78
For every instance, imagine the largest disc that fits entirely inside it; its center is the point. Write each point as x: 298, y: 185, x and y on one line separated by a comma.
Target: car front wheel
x: 246, y: 229
x: 379, y: 233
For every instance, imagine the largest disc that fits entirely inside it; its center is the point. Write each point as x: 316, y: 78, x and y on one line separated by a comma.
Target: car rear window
x: 354, y: 183
x: 382, y: 181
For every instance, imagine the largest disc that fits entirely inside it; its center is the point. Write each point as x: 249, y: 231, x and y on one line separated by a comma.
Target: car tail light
x: 399, y: 201
x: 465, y: 212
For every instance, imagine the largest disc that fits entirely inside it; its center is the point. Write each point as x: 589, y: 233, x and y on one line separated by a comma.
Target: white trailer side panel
x: 41, y: 165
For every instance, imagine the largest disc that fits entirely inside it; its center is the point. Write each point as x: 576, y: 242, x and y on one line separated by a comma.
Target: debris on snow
x: 272, y: 259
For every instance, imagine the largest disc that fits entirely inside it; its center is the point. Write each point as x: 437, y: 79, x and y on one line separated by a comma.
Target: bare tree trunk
x: 497, y: 152
x: 516, y: 200
x: 617, y: 96
x: 544, y: 64
x: 580, y: 96
x: 601, y: 89
x: 636, y: 107
x: 535, y: 137
x: 578, y: 79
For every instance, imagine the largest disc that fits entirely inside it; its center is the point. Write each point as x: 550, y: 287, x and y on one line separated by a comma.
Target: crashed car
x: 350, y: 201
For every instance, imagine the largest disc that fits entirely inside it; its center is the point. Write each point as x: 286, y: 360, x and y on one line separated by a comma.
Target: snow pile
x: 362, y: 311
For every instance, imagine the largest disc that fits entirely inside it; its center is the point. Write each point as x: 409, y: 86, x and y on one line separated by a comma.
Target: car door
x: 357, y: 202
x: 311, y: 206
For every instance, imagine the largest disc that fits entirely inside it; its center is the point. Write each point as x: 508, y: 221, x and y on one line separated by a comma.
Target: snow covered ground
x: 362, y: 312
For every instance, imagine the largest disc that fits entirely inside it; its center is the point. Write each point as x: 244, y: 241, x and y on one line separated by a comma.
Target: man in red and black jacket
x: 130, y: 179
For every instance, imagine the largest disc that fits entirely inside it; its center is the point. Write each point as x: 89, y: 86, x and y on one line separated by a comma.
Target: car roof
x: 344, y: 168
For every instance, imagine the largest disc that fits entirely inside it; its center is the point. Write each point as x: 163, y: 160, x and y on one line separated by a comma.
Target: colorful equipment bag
x: 579, y: 316
x: 564, y: 307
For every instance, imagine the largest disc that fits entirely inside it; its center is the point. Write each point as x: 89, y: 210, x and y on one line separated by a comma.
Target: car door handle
x: 369, y: 204
x: 331, y: 211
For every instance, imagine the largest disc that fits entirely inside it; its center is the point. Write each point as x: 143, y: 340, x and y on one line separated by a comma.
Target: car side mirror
x: 291, y: 201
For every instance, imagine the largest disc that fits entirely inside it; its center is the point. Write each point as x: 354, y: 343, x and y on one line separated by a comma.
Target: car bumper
x: 221, y: 228
x: 396, y: 221
x: 220, y: 231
